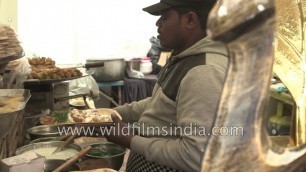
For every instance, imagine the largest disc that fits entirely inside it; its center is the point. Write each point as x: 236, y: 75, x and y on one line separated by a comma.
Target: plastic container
x: 146, y: 66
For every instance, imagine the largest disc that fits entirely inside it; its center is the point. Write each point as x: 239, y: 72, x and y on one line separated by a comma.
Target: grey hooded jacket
x: 174, y: 123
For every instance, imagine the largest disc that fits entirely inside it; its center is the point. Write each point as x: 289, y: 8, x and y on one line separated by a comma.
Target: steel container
x: 113, y: 70
x: 113, y: 161
x: 52, y: 164
x: 34, y: 146
x: 8, y: 118
x: 46, y: 131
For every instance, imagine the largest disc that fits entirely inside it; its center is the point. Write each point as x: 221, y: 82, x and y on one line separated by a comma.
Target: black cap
x: 163, y: 5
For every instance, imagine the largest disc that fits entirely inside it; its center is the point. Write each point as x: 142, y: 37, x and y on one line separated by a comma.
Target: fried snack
x: 44, y: 68
x: 10, y: 104
x: 91, y: 115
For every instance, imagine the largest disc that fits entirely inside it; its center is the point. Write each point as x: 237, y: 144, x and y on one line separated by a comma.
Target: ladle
x: 73, y: 159
x: 64, y: 144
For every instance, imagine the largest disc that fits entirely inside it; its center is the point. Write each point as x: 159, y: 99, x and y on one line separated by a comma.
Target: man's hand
x: 120, y: 133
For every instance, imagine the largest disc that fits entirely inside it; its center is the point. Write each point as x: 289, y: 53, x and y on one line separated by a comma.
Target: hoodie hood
x: 205, y: 45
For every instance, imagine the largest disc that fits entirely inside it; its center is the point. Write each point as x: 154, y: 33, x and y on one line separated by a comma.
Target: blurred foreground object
x: 247, y: 28
x: 289, y: 62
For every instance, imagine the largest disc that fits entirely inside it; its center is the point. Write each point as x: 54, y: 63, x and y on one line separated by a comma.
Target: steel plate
x: 50, y: 81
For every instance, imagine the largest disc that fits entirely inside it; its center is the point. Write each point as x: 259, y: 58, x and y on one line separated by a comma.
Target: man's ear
x: 191, y: 20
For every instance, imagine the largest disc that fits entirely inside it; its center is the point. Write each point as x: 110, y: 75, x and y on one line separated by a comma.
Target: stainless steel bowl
x: 34, y: 146
x: 45, y: 131
x: 44, y: 139
x: 114, y: 161
x: 113, y: 70
x: 52, y: 164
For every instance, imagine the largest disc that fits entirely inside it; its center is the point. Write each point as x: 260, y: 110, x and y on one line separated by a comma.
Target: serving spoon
x: 64, y: 144
x: 73, y: 159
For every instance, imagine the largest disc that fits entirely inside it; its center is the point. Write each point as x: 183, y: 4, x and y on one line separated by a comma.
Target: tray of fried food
x: 92, y: 117
x: 88, y: 117
x: 43, y: 70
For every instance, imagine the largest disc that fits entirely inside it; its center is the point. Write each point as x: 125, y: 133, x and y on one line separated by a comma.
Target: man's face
x: 170, y: 30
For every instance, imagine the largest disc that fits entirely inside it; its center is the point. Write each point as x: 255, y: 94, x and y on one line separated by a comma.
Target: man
x: 186, y: 94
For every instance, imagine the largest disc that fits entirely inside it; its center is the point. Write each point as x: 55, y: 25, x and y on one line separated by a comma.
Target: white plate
x: 79, y: 102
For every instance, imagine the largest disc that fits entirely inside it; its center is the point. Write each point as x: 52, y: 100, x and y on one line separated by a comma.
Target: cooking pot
x: 104, y: 155
x: 44, y: 139
x: 52, y: 164
x: 51, y: 144
x: 113, y: 70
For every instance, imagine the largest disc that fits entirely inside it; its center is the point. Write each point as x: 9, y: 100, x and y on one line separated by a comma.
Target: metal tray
x: 80, y: 129
x: 14, y: 93
x: 82, y: 124
x: 6, y: 119
x: 93, y: 124
x: 50, y: 81
x: 97, y: 128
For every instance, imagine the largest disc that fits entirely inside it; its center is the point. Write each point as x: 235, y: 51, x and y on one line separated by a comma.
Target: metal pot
x: 113, y: 161
x: 54, y: 144
x: 44, y: 139
x: 52, y: 164
x: 113, y: 70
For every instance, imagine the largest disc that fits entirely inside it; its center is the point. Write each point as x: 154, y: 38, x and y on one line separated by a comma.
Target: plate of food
x: 44, y: 70
x: 80, y: 117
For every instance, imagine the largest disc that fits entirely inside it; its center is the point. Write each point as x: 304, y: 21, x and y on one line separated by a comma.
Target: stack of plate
x: 9, y: 44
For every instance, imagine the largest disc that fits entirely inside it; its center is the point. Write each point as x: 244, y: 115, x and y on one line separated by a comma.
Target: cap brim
x: 156, y: 9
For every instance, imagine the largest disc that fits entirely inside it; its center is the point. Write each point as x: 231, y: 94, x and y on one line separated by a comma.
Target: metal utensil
x: 87, y: 66
x: 52, y: 164
x: 65, y: 143
x: 47, y: 130
x: 114, y: 160
x: 51, y: 81
x: 61, y: 138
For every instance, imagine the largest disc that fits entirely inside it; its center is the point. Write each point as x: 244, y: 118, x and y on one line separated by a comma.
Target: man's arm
x: 132, y: 112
